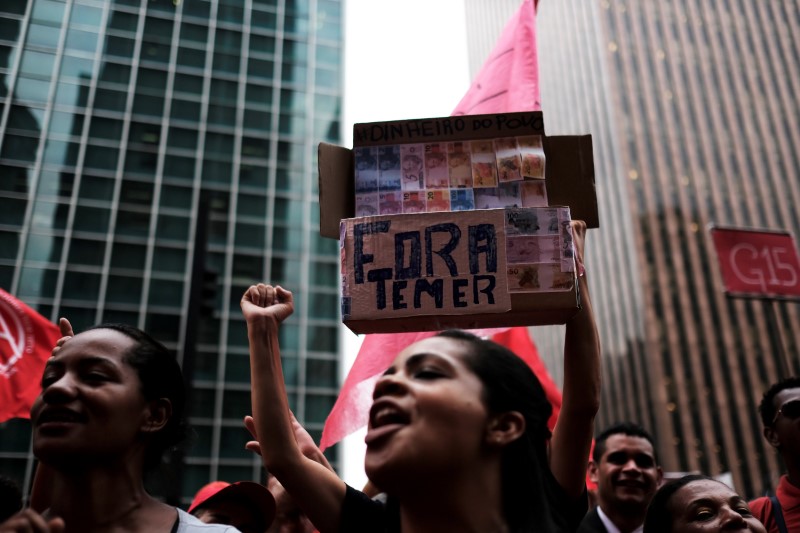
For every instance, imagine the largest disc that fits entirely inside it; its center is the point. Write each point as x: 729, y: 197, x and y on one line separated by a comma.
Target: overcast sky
x: 402, y: 60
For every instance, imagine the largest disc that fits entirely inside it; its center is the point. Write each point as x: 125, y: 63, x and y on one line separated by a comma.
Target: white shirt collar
x: 610, y: 527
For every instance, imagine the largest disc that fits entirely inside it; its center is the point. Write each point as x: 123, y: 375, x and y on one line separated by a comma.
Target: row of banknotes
x: 492, y: 165
x: 539, y: 250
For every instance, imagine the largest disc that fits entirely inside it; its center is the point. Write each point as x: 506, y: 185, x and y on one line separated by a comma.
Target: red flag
x: 507, y: 82
x: 509, y: 79
x: 26, y: 340
x: 518, y: 340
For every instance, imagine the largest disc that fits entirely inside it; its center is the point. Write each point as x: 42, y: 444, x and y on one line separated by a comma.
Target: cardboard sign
x: 426, y: 264
x: 758, y: 263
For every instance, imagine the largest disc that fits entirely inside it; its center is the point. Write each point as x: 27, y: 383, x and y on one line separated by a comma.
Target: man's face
x: 784, y: 433
x: 627, y: 475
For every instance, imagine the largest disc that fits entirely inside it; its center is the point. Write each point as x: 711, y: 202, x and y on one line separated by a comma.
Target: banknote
x: 533, y: 249
x: 460, y: 165
x: 539, y: 278
x: 437, y: 200
x: 532, y: 153
x: 389, y: 175
x: 436, y: 173
x: 509, y: 164
x: 366, y: 204
x: 366, y: 162
x: 390, y: 203
x: 462, y: 200
x: 484, y: 164
x: 522, y: 221
x: 534, y: 193
x: 505, y: 195
x: 411, y: 166
x: 414, y: 202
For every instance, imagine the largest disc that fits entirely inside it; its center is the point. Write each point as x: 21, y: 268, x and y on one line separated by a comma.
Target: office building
x: 117, y: 118
x: 693, y: 116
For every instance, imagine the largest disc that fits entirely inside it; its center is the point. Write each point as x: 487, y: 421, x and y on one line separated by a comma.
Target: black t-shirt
x: 361, y: 514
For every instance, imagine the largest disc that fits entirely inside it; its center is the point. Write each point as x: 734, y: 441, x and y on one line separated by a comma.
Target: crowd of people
x: 458, y: 440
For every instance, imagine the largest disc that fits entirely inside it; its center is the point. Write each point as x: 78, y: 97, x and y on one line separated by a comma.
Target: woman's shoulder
x: 189, y: 524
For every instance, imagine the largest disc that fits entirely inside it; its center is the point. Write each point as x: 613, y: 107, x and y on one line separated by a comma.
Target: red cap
x: 255, y: 494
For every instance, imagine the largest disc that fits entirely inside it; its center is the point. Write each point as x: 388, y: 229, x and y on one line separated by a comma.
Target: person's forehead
x: 101, y: 342
x: 704, y: 489
x: 631, y: 444
x: 449, y: 349
x: 786, y: 395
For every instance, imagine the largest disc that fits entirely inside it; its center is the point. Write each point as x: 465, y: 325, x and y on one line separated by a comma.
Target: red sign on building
x: 758, y: 263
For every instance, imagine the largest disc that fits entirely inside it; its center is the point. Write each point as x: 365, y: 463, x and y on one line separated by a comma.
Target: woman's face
x: 91, y: 405
x: 427, y: 416
x: 709, y: 506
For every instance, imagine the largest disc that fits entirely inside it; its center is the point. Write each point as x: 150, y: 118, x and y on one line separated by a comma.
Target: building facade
x: 694, y: 122
x: 116, y: 119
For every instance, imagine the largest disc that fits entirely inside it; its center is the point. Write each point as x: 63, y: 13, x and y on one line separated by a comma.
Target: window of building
x: 191, y: 57
x: 132, y: 223
x: 48, y: 11
x: 96, y: 188
x: 176, y: 197
x: 166, y: 293
x: 119, y: 47
x: 127, y: 255
x: 31, y: 90
x: 120, y: 20
x: 164, y: 327
x: 36, y: 282
x: 124, y: 290
x: 91, y: 219
x: 81, y: 40
x: 81, y: 286
x: 43, y: 248
x: 321, y: 373
x: 169, y: 260
x: 86, y: 252
x: 101, y: 157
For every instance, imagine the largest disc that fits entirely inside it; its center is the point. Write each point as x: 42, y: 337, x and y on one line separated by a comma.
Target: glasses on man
x: 790, y: 409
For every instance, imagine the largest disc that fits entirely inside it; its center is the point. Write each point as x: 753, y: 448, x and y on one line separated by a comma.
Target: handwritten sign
x: 758, y: 263
x: 448, y: 128
x: 425, y: 264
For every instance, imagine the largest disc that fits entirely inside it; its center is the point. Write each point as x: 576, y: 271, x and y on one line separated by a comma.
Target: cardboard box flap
x: 569, y: 174
x: 336, y: 188
x: 569, y: 177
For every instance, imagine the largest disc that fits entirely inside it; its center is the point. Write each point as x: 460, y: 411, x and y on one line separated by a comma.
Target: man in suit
x: 627, y: 475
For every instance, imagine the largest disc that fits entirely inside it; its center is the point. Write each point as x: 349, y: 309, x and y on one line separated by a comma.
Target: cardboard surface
x: 467, y: 269
x: 569, y: 176
x: 396, y: 291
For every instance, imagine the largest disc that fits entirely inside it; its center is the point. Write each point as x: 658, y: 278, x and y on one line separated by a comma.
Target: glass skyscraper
x: 693, y: 115
x: 116, y: 119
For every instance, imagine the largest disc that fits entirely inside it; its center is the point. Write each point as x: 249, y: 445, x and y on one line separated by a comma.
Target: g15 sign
x: 758, y: 263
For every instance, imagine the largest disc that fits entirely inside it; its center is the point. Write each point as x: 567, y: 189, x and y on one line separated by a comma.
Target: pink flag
x: 509, y: 79
x: 507, y: 82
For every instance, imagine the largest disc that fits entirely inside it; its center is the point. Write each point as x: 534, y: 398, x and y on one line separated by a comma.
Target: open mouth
x: 384, y: 419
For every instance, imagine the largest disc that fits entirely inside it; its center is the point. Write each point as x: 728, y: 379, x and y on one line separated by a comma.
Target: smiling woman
x: 699, y: 504
x: 111, y: 404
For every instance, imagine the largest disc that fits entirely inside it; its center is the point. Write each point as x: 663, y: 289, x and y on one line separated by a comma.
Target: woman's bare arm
x: 572, y: 436
x: 317, y: 490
